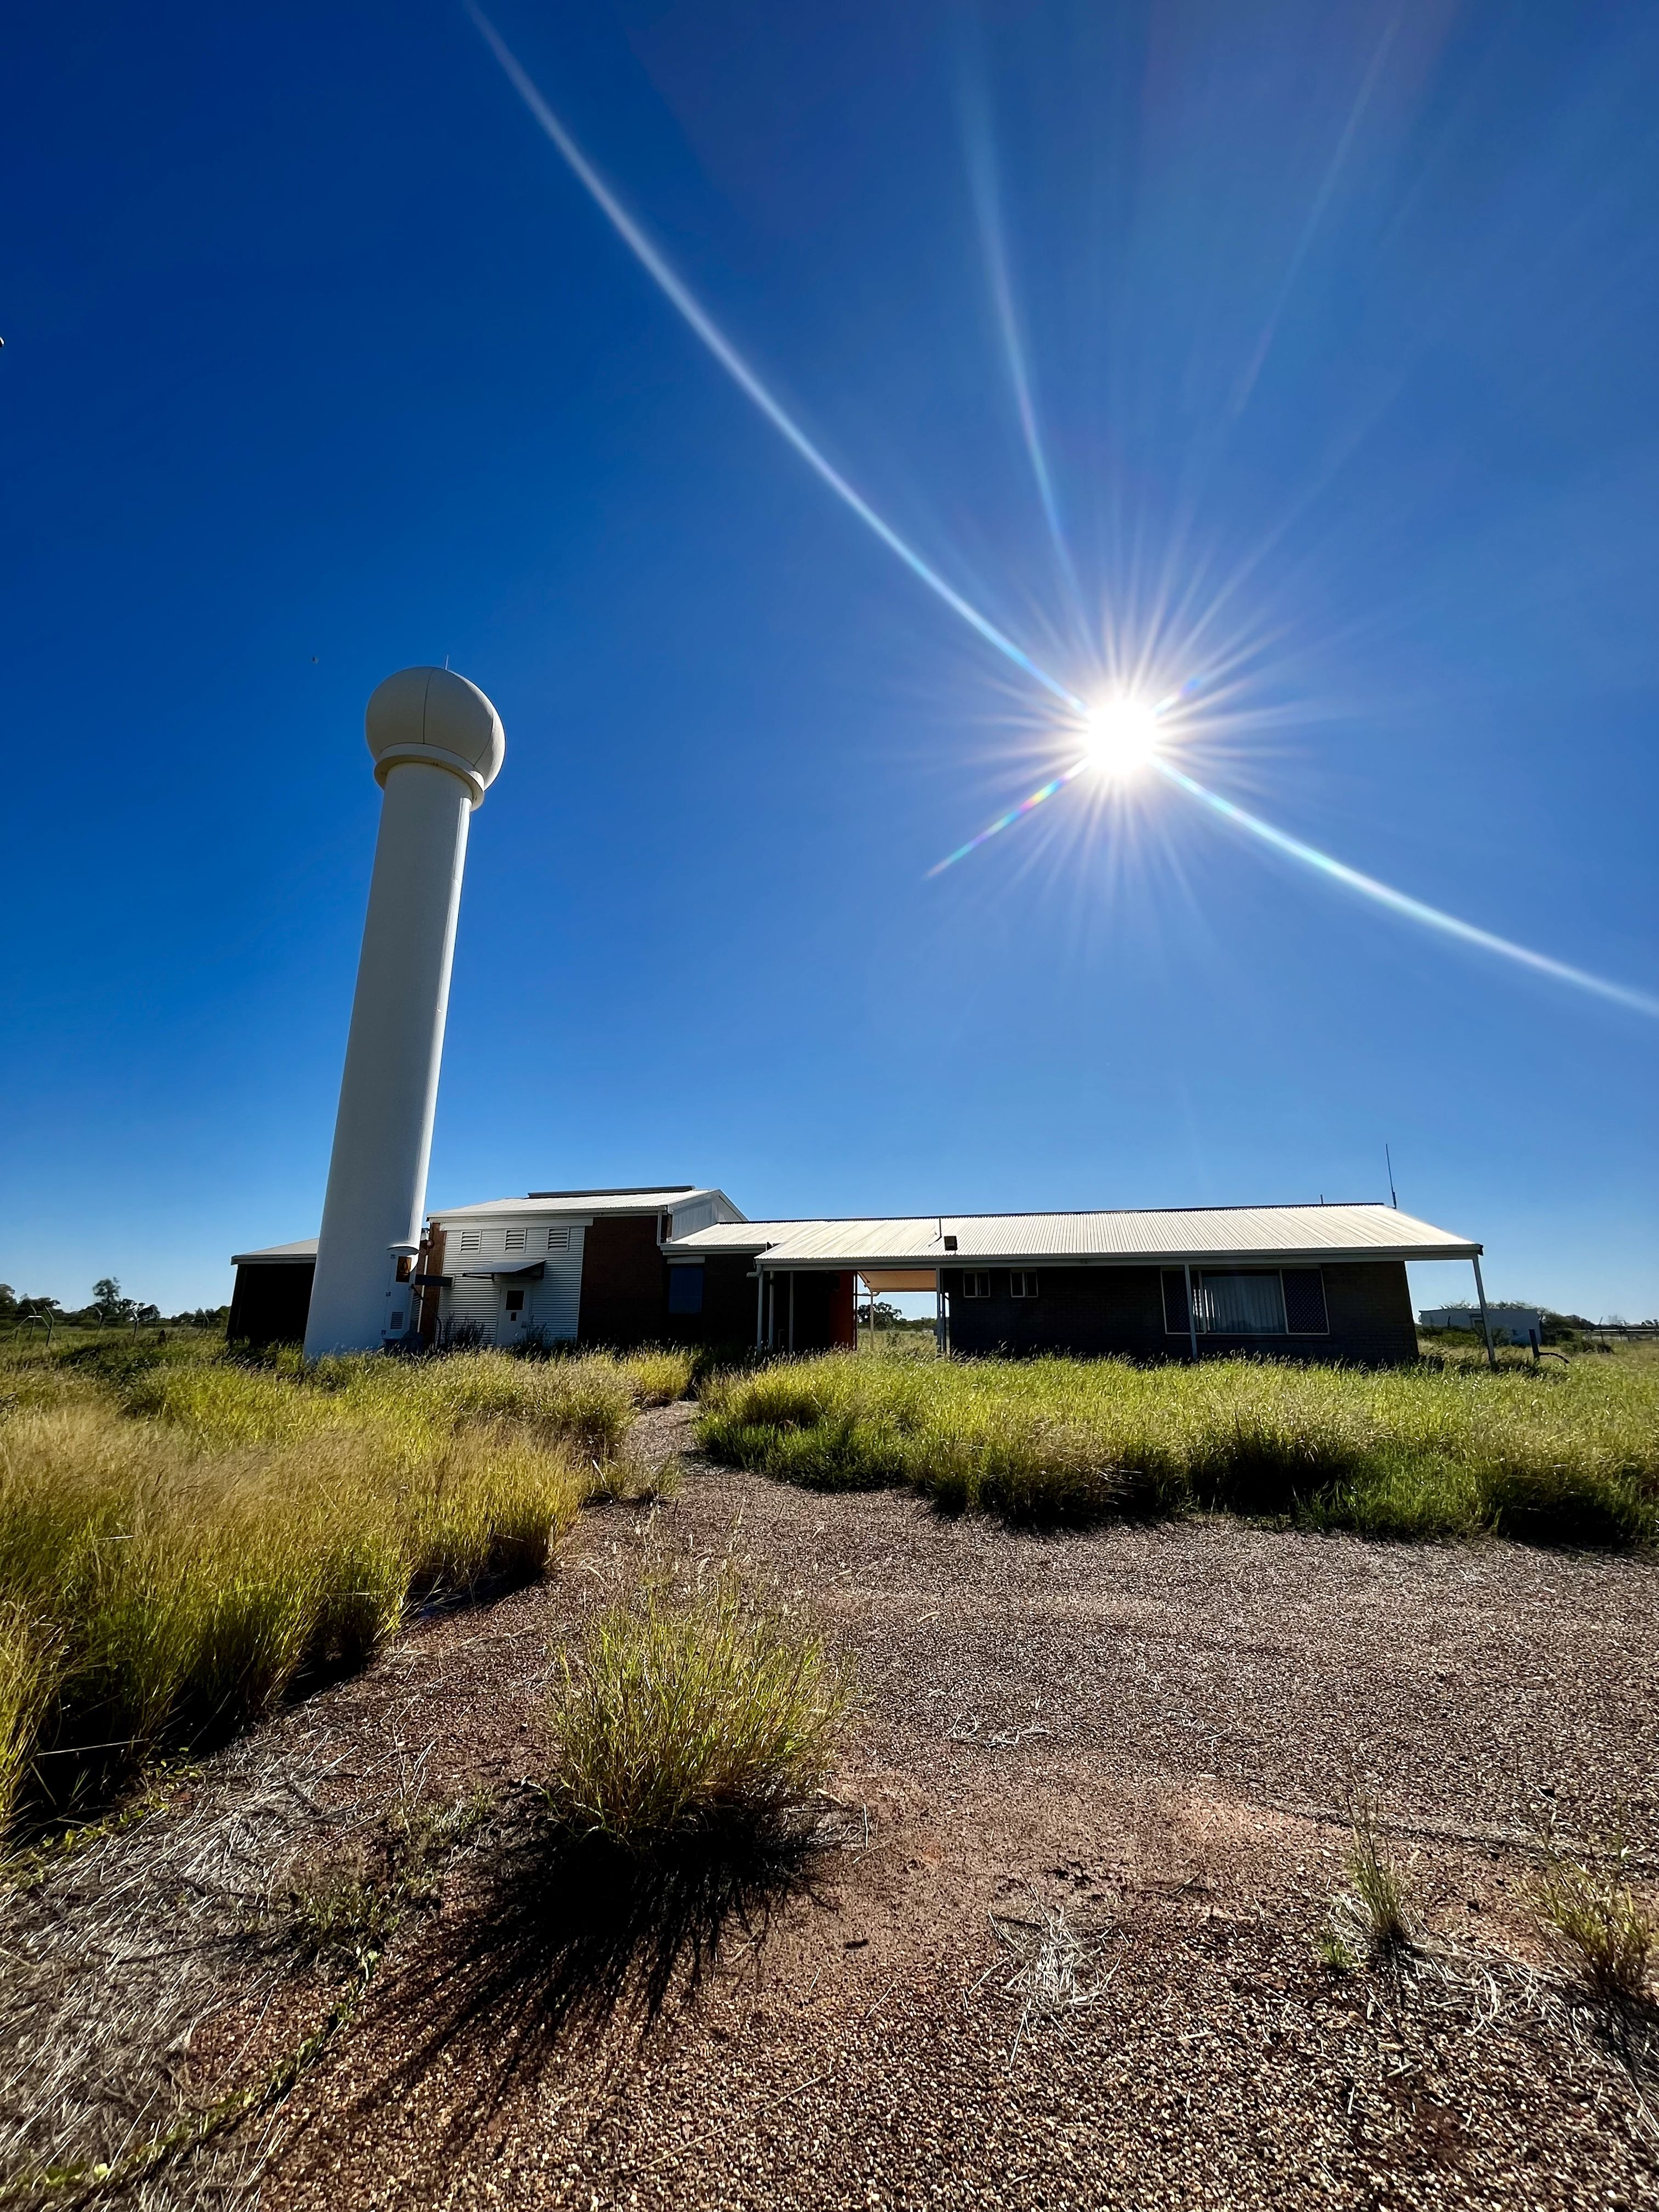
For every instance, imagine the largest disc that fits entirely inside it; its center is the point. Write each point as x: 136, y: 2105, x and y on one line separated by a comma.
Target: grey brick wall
x: 1095, y: 1311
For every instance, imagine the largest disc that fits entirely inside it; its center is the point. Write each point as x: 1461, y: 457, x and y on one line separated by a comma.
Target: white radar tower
x: 438, y: 745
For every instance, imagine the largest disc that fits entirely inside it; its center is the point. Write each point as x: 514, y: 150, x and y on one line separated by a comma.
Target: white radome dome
x: 433, y: 715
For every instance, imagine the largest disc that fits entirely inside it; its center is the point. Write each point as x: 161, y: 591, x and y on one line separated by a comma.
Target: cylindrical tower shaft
x: 376, y: 1197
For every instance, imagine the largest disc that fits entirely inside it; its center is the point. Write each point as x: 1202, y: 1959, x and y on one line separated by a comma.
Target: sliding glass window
x: 1238, y: 1304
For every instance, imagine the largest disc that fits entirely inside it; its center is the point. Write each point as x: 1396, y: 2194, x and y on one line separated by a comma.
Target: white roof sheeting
x: 1240, y: 1233
x: 583, y: 1202
x: 306, y: 1249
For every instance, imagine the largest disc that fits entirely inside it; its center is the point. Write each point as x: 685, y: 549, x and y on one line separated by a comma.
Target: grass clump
x: 184, y: 1543
x: 1590, y: 1916
x: 682, y: 1718
x: 1556, y: 1454
x: 661, y: 1374
x: 1373, y: 1918
x: 1379, y: 1886
x: 1332, y: 1950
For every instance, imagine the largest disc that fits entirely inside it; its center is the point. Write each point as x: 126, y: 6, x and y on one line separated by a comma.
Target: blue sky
x: 1338, y: 327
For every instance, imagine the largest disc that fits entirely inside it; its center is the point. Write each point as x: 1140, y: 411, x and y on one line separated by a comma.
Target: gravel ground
x: 1058, y: 1948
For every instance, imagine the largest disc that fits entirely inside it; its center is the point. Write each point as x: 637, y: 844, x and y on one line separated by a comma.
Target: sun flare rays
x: 1115, y: 725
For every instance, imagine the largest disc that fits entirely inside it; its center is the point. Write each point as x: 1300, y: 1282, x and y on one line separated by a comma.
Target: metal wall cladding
x: 551, y: 1304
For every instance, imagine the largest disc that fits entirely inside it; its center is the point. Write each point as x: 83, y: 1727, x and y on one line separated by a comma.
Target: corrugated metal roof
x: 582, y: 1202
x: 306, y: 1249
x: 1202, y: 1233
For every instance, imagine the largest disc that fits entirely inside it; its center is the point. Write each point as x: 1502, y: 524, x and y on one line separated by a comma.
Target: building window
x: 1234, y: 1302
x: 1246, y: 1301
x: 1022, y: 1284
x: 1304, y: 1302
x: 515, y: 1302
x: 975, y: 1286
x: 516, y: 1239
x: 685, y: 1289
x: 471, y: 1240
x: 558, y: 1240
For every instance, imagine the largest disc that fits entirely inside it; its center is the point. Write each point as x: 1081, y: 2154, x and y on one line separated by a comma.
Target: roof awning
x: 532, y: 1274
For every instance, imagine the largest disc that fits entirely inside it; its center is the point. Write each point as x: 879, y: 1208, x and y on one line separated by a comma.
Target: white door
x: 515, y: 1314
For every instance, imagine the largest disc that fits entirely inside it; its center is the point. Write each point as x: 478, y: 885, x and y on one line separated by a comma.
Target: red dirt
x: 1147, y: 1731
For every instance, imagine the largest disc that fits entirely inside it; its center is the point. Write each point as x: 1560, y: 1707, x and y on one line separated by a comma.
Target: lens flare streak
x: 1621, y: 994
x: 1014, y: 814
x: 737, y: 368
x: 731, y: 360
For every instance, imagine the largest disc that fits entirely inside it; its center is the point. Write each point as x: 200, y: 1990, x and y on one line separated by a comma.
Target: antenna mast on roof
x: 1393, y: 1200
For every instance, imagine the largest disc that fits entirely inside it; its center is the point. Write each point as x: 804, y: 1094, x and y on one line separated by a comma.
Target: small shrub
x: 337, y: 1910
x: 679, y: 1717
x: 346, y: 1907
x: 1592, y: 1919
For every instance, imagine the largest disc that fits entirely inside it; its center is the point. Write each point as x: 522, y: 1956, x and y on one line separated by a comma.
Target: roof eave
x: 1299, y: 1257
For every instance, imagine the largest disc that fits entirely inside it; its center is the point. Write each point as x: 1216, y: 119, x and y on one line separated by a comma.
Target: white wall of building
x: 552, y: 1305
x: 481, y: 1242
x: 1511, y: 1324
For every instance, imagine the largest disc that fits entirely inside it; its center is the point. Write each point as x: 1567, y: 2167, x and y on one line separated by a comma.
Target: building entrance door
x: 514, y: 1318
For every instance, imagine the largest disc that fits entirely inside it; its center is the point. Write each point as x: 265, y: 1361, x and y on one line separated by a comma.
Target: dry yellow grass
x: 183, y: 1543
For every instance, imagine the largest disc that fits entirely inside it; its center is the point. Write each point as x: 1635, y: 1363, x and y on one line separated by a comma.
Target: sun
x: 1122, y: 735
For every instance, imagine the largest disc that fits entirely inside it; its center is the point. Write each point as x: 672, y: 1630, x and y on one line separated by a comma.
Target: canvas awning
x: 899, y: 1278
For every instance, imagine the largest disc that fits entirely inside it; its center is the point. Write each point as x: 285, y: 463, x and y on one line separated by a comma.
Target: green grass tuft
x: 1380, y: 1891
x: 687, y: 1718
x: 1591, y: 1917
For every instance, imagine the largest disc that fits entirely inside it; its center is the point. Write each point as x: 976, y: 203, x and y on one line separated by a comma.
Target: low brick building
x: 558, y: 1267
x: 1285, y: 1282
x: 681, y: 1265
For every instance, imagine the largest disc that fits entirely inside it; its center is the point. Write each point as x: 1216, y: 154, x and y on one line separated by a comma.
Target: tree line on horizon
x: 108, y: 1308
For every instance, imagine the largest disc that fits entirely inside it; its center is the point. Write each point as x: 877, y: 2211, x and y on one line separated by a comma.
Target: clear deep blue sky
x: 1340, y: 325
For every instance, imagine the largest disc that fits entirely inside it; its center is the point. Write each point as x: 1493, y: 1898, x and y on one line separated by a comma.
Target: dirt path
x: 1060, y: 1953
x: 1128, y: 1748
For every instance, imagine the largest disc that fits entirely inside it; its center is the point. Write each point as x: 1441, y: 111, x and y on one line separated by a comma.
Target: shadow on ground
x: 575, y: 1937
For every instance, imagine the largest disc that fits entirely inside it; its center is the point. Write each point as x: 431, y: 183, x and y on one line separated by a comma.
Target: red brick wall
x: 823, y: 1309
x: 624, y: 1295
